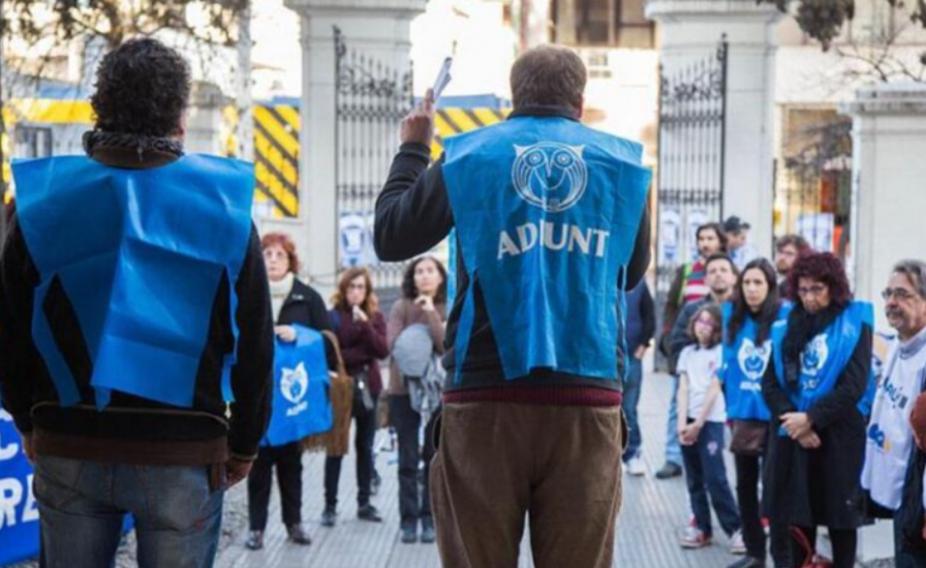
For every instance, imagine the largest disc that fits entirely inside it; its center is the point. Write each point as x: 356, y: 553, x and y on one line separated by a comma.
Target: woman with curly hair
x: 817, y: 391
x: 361, y: 331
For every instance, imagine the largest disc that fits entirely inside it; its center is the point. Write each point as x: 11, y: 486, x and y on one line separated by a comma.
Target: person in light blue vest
x: 135, y: 325
x: 551, y: 230
x: 747, y: 351
x: 817, y: 391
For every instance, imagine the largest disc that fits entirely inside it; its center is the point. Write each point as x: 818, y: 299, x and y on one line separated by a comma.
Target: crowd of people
x: 142, y: 345
x: 822, y: 429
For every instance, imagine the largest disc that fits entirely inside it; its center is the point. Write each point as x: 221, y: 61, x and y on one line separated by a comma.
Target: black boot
x: 369, y: 513
x: 298, y: 535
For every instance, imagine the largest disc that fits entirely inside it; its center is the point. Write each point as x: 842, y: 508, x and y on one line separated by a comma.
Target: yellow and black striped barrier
x: 456, y: 120
x: 276, y: 157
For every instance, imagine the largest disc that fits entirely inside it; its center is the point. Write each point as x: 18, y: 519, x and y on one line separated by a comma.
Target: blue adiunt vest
x: 744, y: 365
x: 825, y: 357
x: 547, y: 212
x: 139, y: 254
x: 300, y: 406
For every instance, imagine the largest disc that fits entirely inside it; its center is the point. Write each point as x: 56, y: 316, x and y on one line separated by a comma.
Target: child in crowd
x: 702, y: 434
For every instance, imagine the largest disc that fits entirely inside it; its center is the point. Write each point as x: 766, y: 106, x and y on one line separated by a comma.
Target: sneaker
x: 409, y: 535
x: 748, y: 562
x: 636, y: 467
x: 329, y: 516
x: 669, y: 470
x: 298, y: 535
x: 427, y: 531
x: 255, y: 540
x: 737, y: 546
x: 694, y: 538
x: 369, y: 513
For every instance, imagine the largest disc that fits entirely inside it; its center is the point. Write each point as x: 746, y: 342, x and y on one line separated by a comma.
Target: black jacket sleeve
x: 647, y: 315
x: 251, y: 375
x: 775, y: 396
x: 413, y: 211
x: 18, y: 279
x: 849, y: 389
x: 639, y: 260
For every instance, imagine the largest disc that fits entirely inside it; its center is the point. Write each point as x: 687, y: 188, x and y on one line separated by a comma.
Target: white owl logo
x: 550, y: 175
x: 753, y: 360
x: 295, y: 383
x: 814, y: 356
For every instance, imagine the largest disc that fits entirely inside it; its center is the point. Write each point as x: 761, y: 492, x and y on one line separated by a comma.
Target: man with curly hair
x: 134, y: 304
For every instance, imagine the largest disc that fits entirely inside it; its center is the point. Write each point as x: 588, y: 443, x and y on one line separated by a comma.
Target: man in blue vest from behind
x: 552, y: 229
x: 134, y: 307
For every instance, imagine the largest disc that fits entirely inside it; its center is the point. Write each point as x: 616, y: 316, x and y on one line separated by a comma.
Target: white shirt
x: 889, y: 439
x: 700, y: 366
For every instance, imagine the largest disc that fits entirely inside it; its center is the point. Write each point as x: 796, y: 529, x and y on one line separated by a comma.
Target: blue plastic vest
x: 140, y: 255
x: 744, y: 365
x: 300, y: 405
x: 825, y: 357
x: 547, y: 212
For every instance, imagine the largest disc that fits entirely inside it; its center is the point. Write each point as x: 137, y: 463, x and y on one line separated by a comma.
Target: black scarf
x: 802, y: 327
x: 94, y: 140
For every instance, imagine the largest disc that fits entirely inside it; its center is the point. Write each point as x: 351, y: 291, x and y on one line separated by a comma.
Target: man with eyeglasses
x: 894, y: 466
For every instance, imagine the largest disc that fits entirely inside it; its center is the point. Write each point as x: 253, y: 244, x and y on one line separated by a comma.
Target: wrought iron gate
x: 692, y: 120
x: 370, y: 101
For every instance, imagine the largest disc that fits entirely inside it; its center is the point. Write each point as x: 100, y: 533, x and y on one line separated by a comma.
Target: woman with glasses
x: 747, y: 351
x: 817, y: 391
x: 293, y: 302
x: 361, y: 331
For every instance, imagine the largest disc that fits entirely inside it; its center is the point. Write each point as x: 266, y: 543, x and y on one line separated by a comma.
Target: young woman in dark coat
x: 293, y: 302
x: 816, y: 450
x: 361, y: 331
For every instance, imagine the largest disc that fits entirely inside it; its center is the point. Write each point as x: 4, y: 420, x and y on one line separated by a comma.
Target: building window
x: 612, y: 23
x: 32, y: 142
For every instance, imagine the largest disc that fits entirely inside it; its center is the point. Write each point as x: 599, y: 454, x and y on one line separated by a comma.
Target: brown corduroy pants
x: 497, y: 462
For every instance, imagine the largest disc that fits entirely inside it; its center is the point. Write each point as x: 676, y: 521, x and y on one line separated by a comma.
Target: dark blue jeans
x: 633, y: 383
x: 82, y: 505
x: 673, y: 448
x: 706, y: 475
x: 903, y: 557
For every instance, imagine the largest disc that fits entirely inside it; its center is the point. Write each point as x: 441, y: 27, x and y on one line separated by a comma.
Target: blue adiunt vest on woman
x: 139, y: 255
x: 825, y: 357
x: 547, y: 212
x: 744, y: 365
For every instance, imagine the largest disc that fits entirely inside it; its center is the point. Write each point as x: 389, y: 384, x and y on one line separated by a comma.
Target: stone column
x: 888, y: 197
x: 377, y: 27
x: 690, y: 30
x: 204, y: 119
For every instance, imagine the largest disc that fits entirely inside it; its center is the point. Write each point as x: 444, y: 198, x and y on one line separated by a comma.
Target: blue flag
x: 300, y: 406
x: 19, y: 513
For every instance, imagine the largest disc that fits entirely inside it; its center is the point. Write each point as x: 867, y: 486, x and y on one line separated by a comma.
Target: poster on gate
x: 670, y: 236
x: 818, y: 229
x: 355, y: 240
x: 19, y: 514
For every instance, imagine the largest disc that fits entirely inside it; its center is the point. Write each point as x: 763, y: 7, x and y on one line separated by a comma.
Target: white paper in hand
x: 443, y: 78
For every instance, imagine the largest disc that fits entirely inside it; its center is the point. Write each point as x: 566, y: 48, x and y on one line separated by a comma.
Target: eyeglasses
x: 705, y: 323
x: 815, y: 290
x: 898, y: 293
